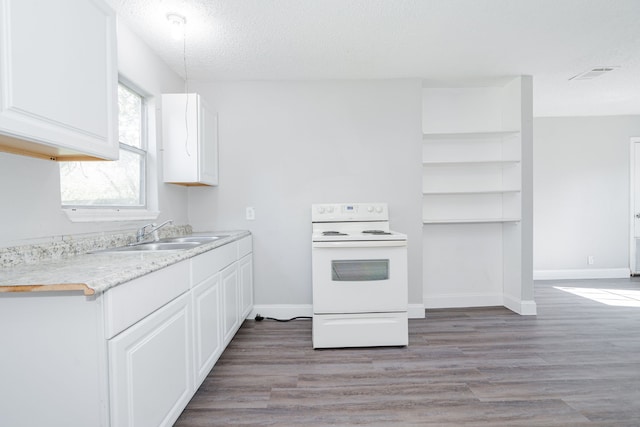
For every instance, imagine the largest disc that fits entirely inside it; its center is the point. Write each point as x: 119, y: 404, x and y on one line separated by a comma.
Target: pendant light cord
x: 186, y: 87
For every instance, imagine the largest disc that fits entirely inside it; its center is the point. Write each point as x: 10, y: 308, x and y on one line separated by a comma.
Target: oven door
x: 359, y: 277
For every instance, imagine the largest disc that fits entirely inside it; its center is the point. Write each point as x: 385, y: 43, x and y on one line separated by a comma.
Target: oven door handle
x: 361, y: 244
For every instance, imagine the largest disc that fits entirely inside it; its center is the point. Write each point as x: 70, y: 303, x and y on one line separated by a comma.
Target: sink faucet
x: 142, y: 232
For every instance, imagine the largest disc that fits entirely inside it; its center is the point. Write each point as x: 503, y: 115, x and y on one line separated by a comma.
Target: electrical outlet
x: 590, y: 260
x: 251, y: 214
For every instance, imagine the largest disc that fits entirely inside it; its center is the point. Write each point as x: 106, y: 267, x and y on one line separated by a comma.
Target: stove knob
x: 330, y: 209
x: 321, y: 210
x: 379, y: 209
x: 370, y: 209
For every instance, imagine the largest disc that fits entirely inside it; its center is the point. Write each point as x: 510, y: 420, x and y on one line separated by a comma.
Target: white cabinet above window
x: 189, y: 140
x: 58, y: 79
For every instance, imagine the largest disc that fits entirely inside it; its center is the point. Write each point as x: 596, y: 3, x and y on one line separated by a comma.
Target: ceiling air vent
x: 594, y: 72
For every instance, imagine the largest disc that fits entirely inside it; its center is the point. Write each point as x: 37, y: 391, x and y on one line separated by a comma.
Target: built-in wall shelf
x: 474, y: 193
x: 453, y: 192
x: 469, y: 162
x: 471, y: 174
x: 469, y: 220
x: 468, y: 135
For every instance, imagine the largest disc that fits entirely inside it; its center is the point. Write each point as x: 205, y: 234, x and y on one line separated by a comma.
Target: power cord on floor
x: 260, y: 318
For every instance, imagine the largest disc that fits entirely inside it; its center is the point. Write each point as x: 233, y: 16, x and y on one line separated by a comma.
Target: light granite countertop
x: 94, y: 273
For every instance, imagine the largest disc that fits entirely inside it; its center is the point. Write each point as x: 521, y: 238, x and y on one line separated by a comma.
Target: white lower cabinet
x: 207, y: 327
x: 229, y: 281
x: 150, y: 369
x: 131, y: 357
x: 245, y: 271
x: 157, y: 363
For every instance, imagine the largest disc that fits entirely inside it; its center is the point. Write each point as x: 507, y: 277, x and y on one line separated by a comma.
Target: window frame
x: 144, y: 143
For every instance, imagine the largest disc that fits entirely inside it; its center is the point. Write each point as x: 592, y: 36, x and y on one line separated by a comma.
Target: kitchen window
x: 112, y: 186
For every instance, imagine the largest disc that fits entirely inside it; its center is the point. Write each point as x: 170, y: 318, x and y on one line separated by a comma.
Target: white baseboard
x: 522, y: 307
x: 462, y: 300
x: 591, y: 273
x: 416, y: 311
x: 481, y: 300
x: 289, y: 311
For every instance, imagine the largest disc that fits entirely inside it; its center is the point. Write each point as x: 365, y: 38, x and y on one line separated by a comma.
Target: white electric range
x: 359, y: 274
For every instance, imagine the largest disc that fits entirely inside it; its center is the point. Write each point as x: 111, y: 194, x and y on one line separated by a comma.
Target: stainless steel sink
x: 155, y: 246
x: 166, y: 244
x: 194, y: 239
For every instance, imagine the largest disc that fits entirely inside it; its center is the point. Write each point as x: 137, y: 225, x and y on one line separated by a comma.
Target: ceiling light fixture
x: 594, y: 72
x: 178, y: 23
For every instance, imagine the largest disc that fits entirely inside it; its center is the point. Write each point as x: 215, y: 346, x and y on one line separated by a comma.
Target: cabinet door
x: 229, y: 281
x: 208, y: 145
x: 190, y: 140
x: 150, y: 372
x: 58, y: 78
x: 207, y: 326
x: 245, y: 267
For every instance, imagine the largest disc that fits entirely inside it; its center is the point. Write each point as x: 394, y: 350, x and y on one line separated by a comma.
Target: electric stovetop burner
x: 377, y: 232
x: 333, y: 233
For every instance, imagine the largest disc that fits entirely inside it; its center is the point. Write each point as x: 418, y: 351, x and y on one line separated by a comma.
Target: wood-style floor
x: 577, y: 363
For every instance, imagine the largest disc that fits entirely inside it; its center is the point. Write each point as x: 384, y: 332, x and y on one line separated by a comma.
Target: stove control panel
x: 342, y: 212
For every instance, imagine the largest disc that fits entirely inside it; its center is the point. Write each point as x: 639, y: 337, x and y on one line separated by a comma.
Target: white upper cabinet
x: 190, y: 140
x: 58, y: 79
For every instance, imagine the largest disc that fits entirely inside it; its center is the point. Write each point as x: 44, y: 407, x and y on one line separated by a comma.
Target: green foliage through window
x: 118, y: 183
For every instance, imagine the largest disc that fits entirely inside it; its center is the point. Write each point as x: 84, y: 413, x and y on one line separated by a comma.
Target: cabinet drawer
x: 128, y: 303
x: 245, y: 246
x: 209, y: 263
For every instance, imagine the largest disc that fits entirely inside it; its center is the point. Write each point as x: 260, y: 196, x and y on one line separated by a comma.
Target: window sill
x: 103, y: 215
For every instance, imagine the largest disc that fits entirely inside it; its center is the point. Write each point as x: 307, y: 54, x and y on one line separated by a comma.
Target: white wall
x: 286, y: 145
x: 581, y: 193
x: 30, y: 188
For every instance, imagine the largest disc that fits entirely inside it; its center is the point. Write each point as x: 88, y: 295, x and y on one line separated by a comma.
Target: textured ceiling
x: 437, y: 40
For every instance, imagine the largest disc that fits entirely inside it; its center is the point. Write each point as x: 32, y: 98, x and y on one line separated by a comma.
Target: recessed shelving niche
x: 478, y: 172
x: 472, y: 193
